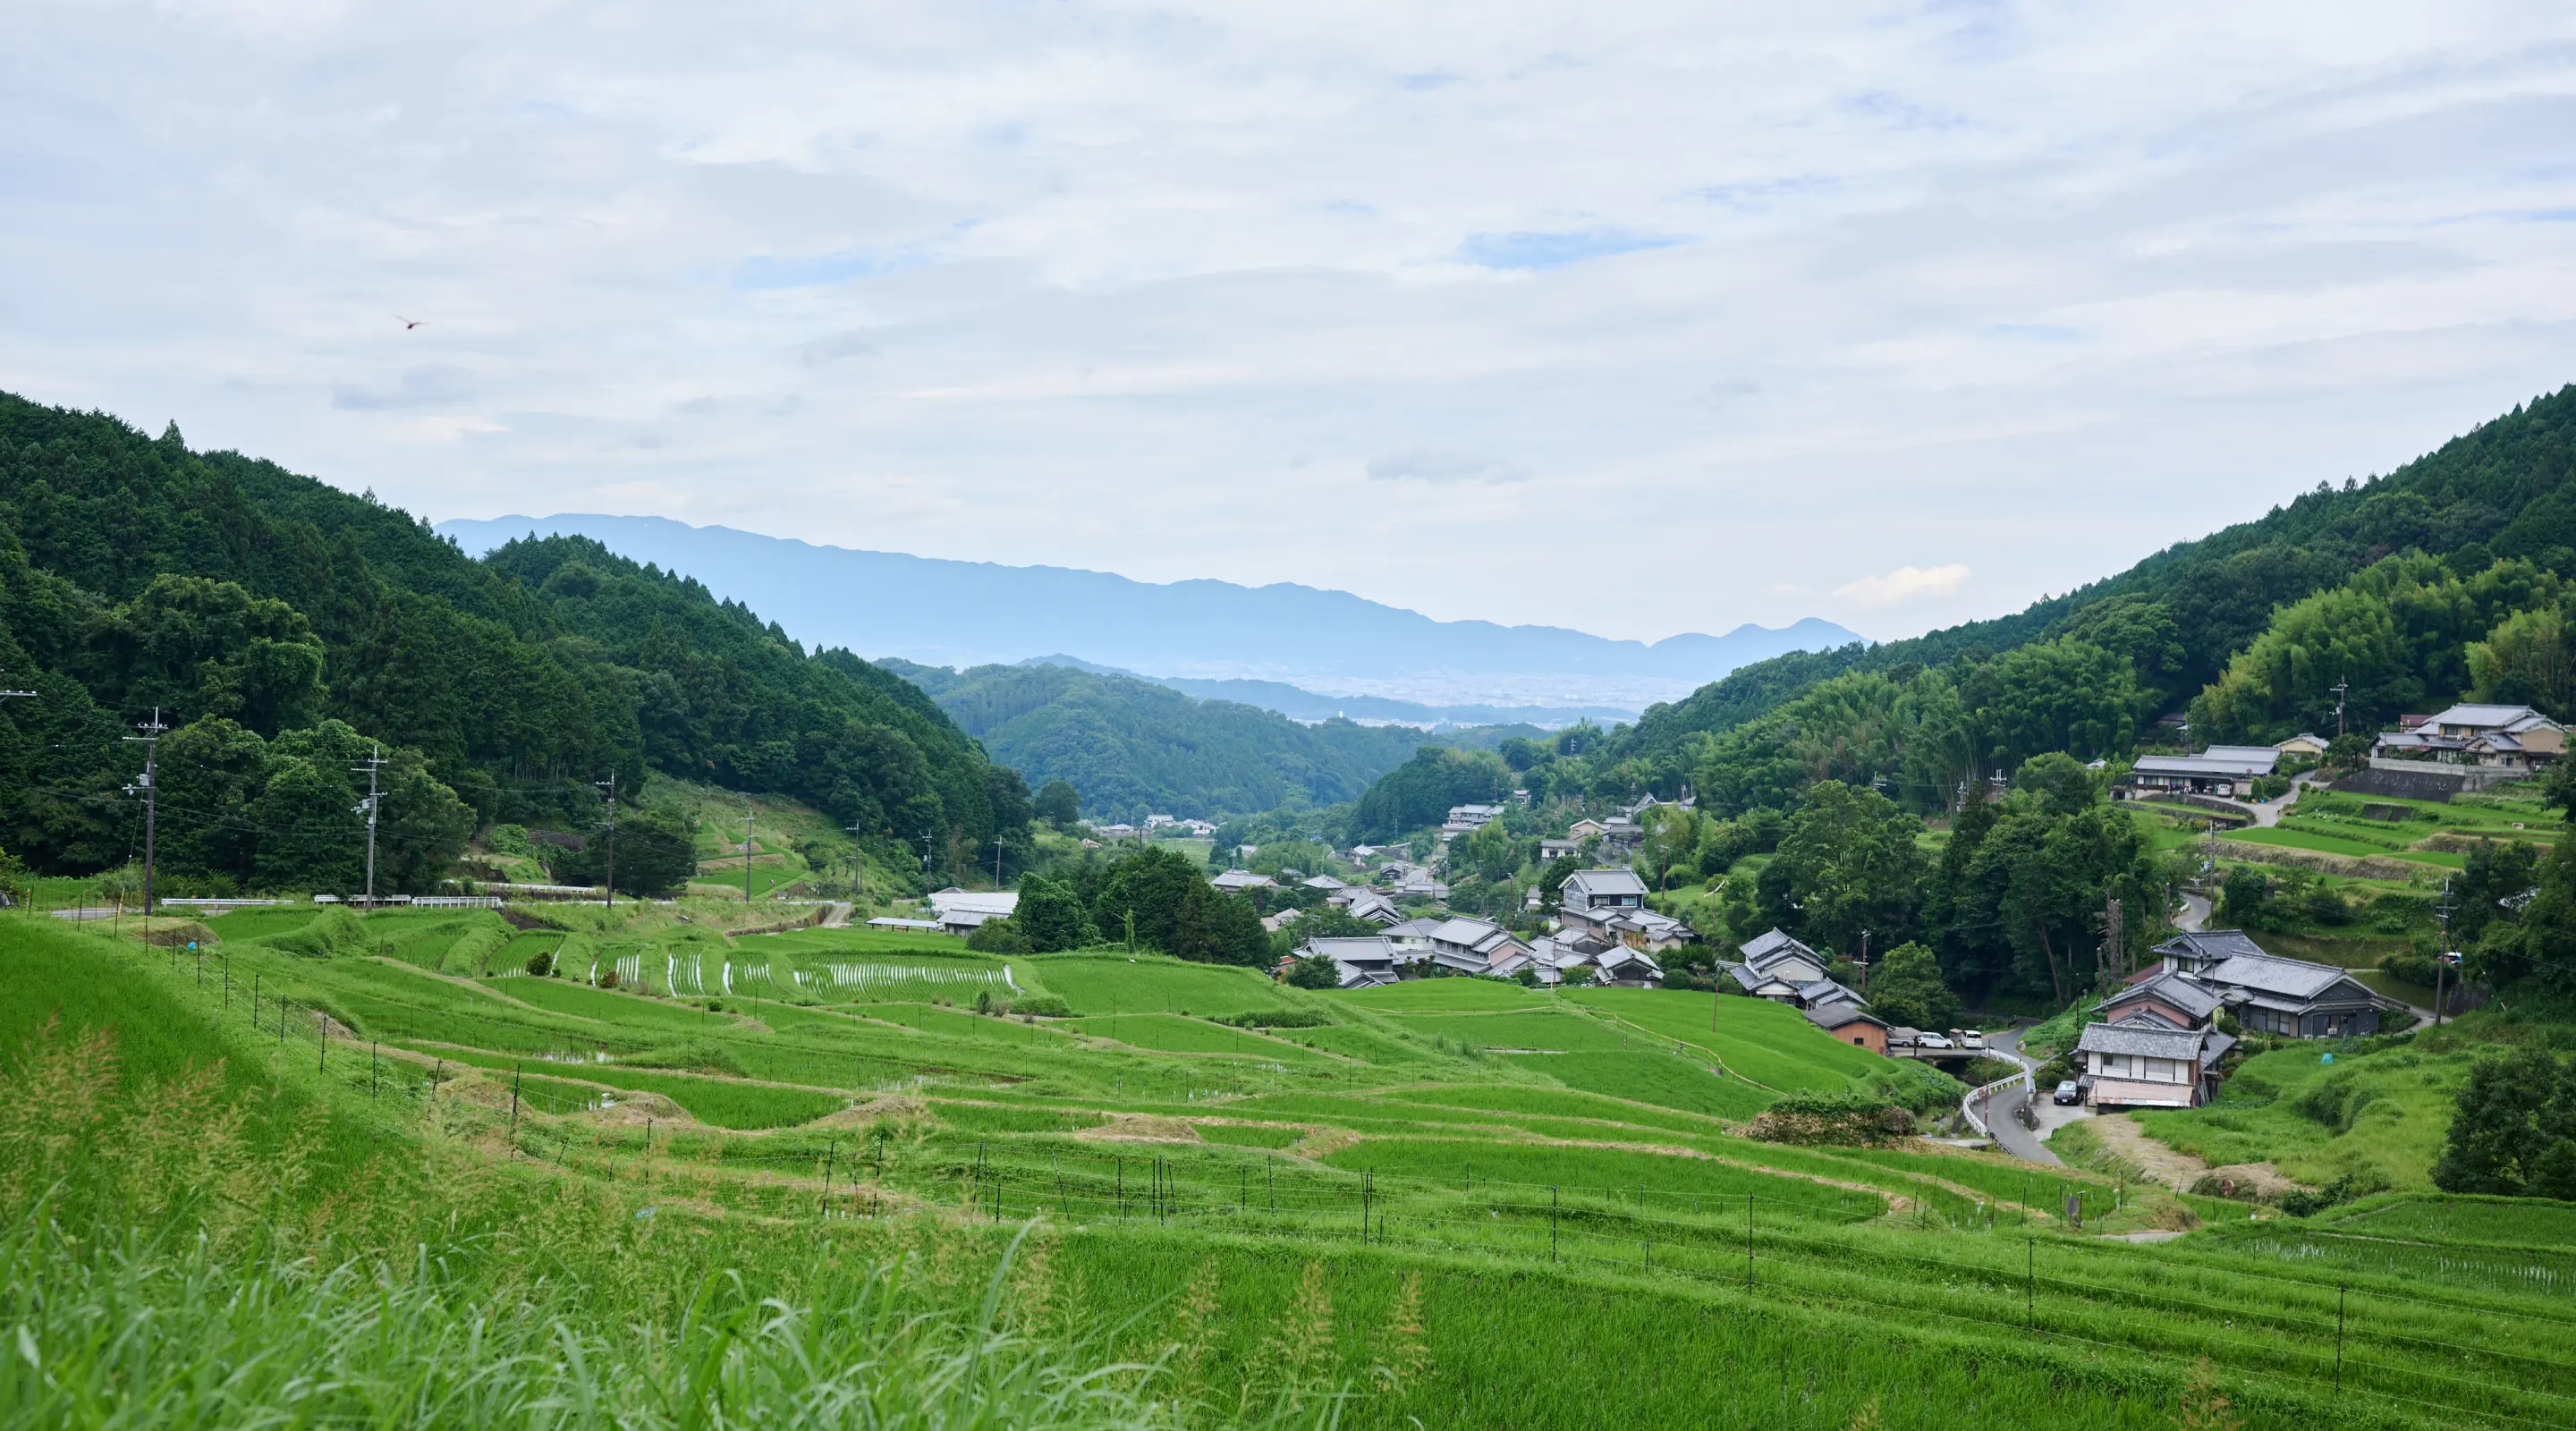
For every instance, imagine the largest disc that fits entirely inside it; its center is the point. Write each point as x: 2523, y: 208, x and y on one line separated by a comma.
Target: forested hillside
x: 284, y: 628
x: 2084, y: 671
x: 1131, y: 747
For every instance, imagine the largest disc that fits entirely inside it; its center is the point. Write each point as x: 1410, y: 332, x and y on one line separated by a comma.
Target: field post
x: 228, y: 981
x: 2030, y: 1284
x: 1748, y: 1242
x: 1122, y: 1184
x: 2341, y: 1291
x: 829, y: 1151
x: 281, y: 1021
x: 1243, y: 1192
x: 1551, y: 1224
x: 371, y: 1069
x: 514, y: 1111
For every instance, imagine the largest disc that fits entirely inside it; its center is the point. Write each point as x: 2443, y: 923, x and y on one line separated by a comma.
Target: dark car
x: 2069, y: 1092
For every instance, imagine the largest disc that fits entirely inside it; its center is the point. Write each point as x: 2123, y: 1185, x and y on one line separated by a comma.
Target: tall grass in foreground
x: 164, y: 1270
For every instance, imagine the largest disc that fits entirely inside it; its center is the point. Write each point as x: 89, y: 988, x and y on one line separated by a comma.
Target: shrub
x: 998, y: 936
x: 542, y: 963
x: 1048, y: 1006
x: 1277, y: 1019
x: 1832, y: 1118
x: 1315, y: 972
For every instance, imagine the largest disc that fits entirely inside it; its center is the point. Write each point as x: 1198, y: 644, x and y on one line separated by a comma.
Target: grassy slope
x: 1897, y: 1306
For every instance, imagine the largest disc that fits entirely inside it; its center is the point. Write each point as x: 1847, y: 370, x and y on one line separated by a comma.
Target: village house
x: 961, y: 912
x: 2140, y: 1063
x: 1585, y: 829
x: 1777, y: 966
x: 1238, y: 881
x: 1473, y: 946
x: 2304, y: 743
x: 2224, y: 770
x: 2502, y: 737
x: 1553, y: 850
x: 1365, y: 904
x: 2270, y: 994
x: 1609, y: 905
x: 1363, y: 962
x: 2160, y: 994
x: 1850, y: 1023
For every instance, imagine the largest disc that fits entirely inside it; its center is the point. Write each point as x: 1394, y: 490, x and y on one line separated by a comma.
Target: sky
x: 1636, y: 318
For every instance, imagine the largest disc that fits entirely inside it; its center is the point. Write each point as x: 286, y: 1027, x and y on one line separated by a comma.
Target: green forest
x: 2446, y: 577
x: 1133, y: 748
x: 289, y: 633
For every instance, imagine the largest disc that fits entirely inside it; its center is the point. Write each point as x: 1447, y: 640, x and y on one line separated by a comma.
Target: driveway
x: 2003, y: 1115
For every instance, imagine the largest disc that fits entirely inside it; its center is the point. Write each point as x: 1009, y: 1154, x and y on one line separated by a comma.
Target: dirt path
x: 2124, y: 1139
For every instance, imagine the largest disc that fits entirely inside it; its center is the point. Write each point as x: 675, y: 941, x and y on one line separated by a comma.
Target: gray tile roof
x: 2269, y: 974
x: 2145, y: 1042
x: 2173, y: 990
x: 2210, y: 944
x: 1609, y: 881
x: 1835, y: 1015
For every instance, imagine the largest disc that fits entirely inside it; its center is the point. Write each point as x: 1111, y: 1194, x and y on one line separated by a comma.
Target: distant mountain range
x: 1300, y: 704
x: 1132, y: 747
x: 959, y: 613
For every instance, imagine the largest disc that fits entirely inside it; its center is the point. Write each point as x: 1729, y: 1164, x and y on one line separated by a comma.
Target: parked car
x: 1971, y: 1038
x: 2069, y: 1092
x: 1930, y: 1040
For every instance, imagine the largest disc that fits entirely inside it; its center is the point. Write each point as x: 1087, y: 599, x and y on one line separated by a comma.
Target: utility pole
x: 2339, y: 688
x: 6, y: 894
x: 2115, y: 941
x: 2442, y: 959
x: 856, y: 894
x: 151, y: 738
x: 610, y: 785
x: 748, y: 811
x: 1864, y: 962
x: 926, y: 838
x: 375, y: 762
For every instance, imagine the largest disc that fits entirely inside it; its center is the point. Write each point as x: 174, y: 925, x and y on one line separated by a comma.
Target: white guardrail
x: 1968, y: 1106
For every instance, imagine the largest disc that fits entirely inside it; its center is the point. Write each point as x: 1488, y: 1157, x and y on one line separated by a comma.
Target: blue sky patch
x: 1556, y: 250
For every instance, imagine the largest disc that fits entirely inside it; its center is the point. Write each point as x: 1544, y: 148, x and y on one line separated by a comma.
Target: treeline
x: 1134, y: 748
x: 2016, y: 903
x: 2179, y: 618
x: 281, y: 627
x: 1150, y: 899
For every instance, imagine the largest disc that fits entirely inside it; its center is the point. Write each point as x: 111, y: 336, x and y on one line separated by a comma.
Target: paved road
x: 2001, y: 1117
x: 2195, y: 913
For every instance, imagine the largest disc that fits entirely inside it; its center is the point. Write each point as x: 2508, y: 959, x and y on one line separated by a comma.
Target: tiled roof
x: 2267, y: 974
x: 2145, y: 1042
x: 1836, y: 1014
x: 2210, y: 944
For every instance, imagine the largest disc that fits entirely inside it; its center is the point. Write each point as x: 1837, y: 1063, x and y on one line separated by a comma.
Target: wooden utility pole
x: 375, y: 762
x: 2340, y: 687
x: 2115, y: 940
x: 151, y: 739
x: 2442, y: 957
x: 610, y: 785
x: 748, y: 811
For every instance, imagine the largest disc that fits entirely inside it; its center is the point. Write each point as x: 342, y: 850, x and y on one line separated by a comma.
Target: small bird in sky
x: 408, y: 323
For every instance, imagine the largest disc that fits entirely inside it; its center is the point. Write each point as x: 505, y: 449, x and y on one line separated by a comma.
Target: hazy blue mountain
x: 1132, y: 747
x: 1298, y: 703
x: 957, y: 613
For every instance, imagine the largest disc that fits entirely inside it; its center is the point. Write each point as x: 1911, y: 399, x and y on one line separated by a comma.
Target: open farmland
x: 1505, y: 1164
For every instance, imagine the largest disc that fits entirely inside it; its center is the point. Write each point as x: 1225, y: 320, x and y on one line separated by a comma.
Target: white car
x: 1931, y: 1040
x: 1971, y: 1038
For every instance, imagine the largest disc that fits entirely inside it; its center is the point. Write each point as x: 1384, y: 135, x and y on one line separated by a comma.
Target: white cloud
x: 2045, y: 288
x: 1420, y: 464
x: 1905, y: 585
